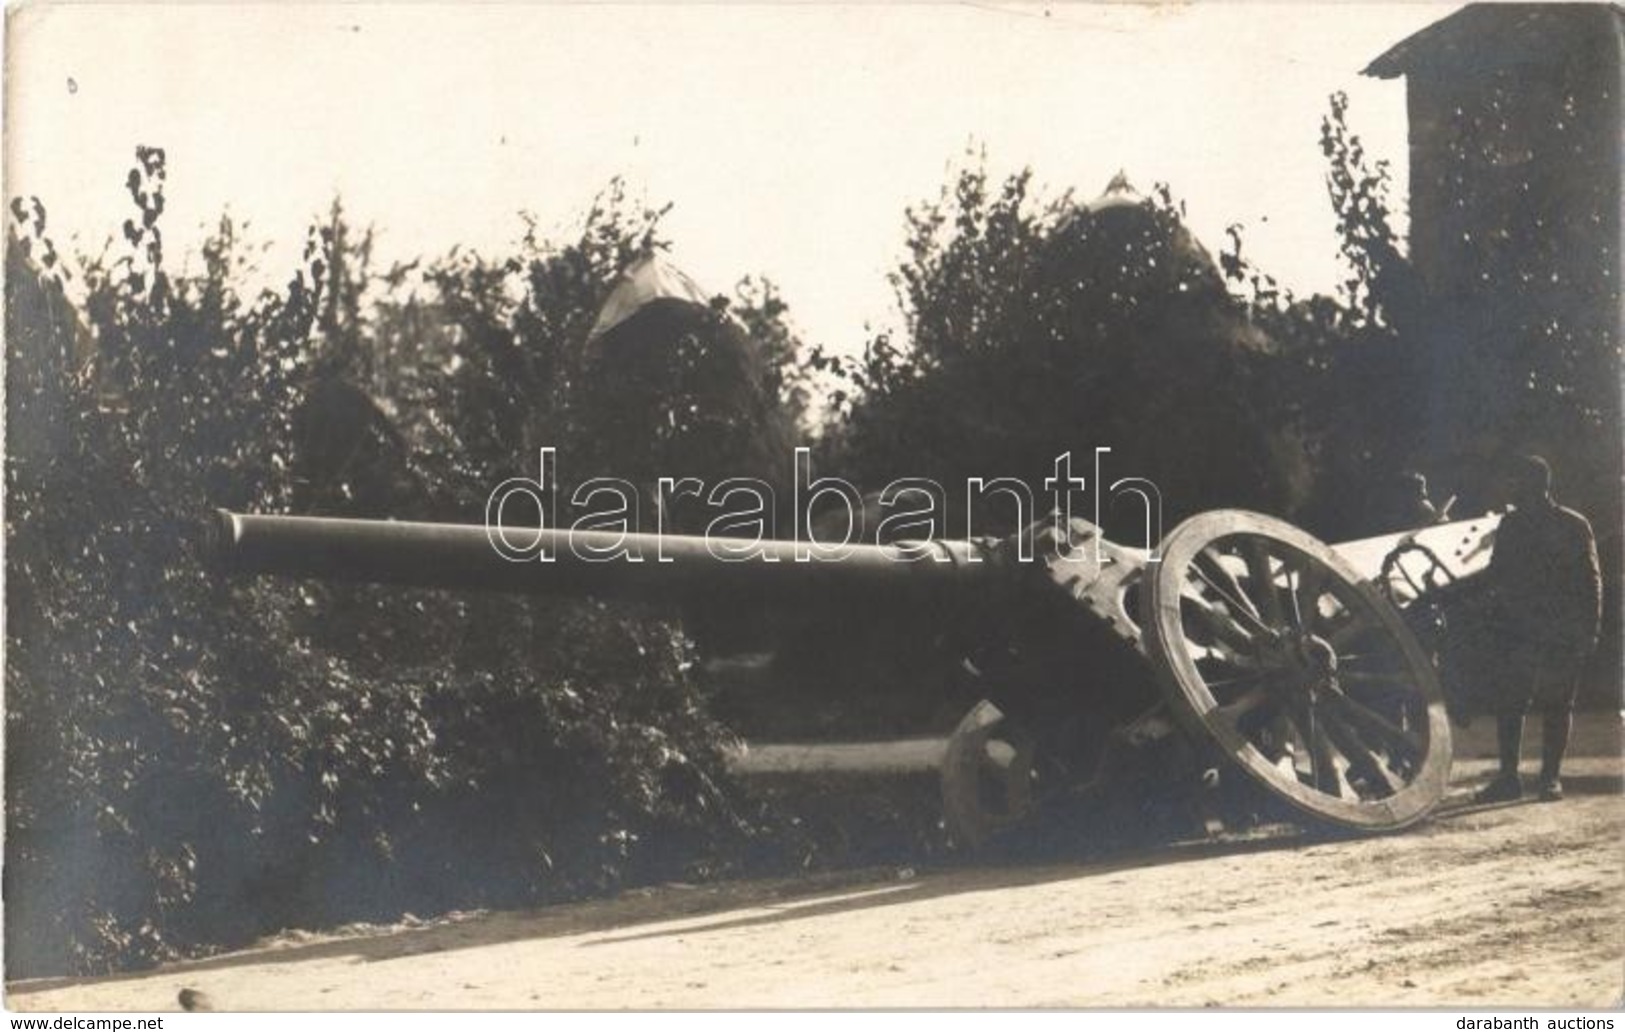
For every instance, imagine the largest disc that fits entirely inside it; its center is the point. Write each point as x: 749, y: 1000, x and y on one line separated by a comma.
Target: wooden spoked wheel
x: 1270, y: 645
x: 987, y: 776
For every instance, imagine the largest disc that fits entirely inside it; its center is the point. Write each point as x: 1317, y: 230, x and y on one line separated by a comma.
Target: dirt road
x: 1520, y: 904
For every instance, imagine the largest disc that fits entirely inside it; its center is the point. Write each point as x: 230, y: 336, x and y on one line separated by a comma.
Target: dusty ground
x: 1520, y: 904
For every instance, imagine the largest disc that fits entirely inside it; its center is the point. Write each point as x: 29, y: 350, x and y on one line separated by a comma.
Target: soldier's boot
x: 1505, y: 787
x: 1554, y: 742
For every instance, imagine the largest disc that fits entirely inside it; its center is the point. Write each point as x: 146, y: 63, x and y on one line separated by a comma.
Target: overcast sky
x: 789, y: 139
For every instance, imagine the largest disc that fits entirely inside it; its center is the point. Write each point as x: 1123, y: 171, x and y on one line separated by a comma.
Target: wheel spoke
x: 1341, y: 615
x: 1322, y: 763
x: 1240, y: 610
x: 1273, y: 738
x: 1223, y: 627
x: 1295, y: 611
x: 1349, y: 633
x: 1363, y: 761
x: 1309, y: 585
x: 1395, y: 782
x: 1360, y: 657
x: 1216, y: 575
x: 1218, y: 652
x: 1374, y: 677
x: 1262, y: 578
x: 1247, y: 703
x: 1231, y: 660
x: 1374, y: 724
x: 1251, y: 677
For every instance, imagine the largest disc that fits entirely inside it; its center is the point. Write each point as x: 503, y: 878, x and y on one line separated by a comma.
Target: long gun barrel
x: 603, y: 563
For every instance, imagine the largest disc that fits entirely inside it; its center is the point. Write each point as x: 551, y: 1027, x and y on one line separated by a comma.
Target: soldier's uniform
x: 1546, y: 609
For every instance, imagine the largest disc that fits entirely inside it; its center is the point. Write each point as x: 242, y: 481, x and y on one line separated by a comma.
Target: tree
x: 1035, y: 329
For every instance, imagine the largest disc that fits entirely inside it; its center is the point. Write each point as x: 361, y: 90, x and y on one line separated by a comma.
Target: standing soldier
x: 1411, y: 507
x: 1545, y: 601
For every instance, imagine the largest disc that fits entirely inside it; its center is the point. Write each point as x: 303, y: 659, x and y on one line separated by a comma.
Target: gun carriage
x: 1275, y: 663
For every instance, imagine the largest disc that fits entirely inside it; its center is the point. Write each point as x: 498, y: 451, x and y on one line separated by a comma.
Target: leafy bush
x: 193, y: 761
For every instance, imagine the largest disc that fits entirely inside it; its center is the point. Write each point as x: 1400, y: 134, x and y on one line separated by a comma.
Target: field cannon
x: 1275, y: 664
